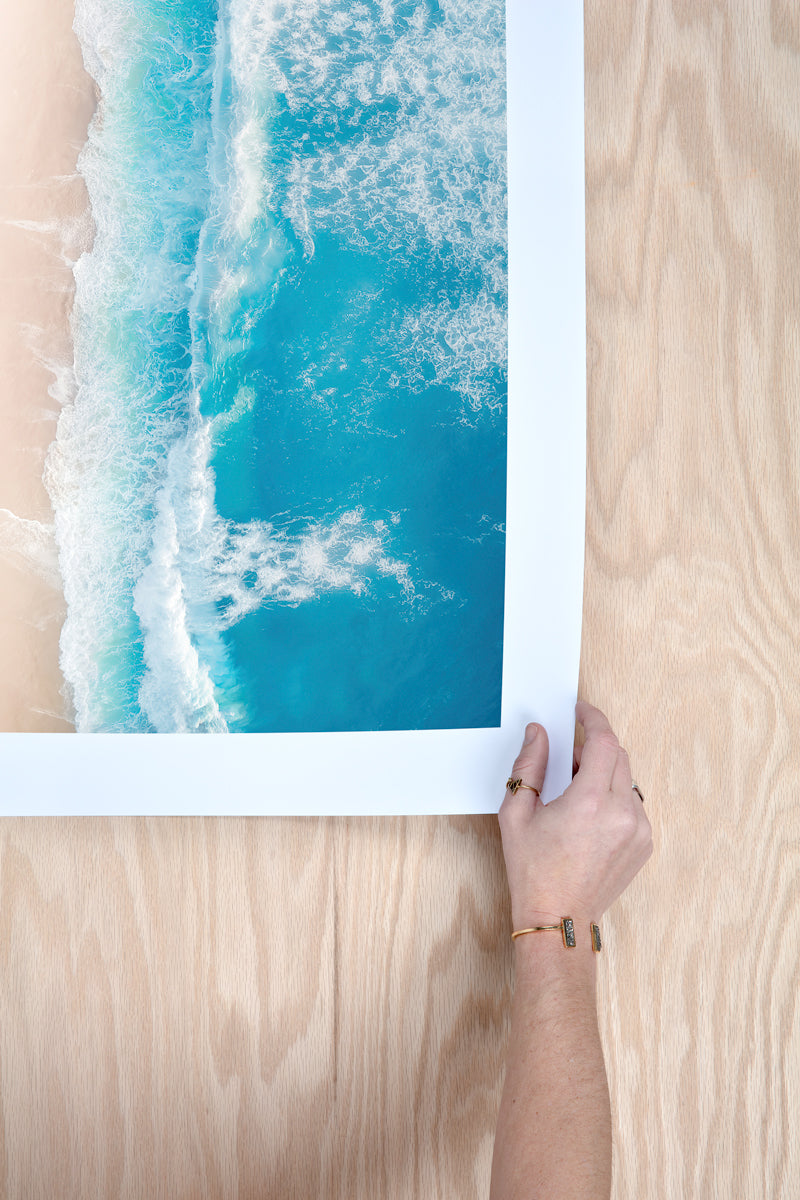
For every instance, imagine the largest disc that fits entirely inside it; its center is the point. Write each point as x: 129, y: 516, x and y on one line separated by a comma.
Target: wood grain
x: 250, y: 1008
x: 691, y: 604
x: 319, y: 1007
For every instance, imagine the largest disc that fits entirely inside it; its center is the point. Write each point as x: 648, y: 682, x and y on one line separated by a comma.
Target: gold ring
x: 514, y: 785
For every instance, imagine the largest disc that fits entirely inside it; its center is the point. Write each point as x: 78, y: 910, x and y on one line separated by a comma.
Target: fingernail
x: 530, y: 734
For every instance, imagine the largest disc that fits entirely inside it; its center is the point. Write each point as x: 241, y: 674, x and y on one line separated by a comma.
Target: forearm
x: 553, y: 1139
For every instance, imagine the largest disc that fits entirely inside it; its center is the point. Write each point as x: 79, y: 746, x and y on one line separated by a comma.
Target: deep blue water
x: 280, y: 489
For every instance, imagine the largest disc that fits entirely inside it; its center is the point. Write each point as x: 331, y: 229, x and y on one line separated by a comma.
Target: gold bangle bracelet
x: 567, y: 927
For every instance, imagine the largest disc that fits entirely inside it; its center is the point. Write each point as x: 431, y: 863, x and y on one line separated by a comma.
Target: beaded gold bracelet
x: 567, y: 927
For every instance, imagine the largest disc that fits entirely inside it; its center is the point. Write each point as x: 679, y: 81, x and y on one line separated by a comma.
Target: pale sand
x: 46, y: 102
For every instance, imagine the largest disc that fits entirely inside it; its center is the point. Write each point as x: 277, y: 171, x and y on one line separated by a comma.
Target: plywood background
x: 319, y: 1008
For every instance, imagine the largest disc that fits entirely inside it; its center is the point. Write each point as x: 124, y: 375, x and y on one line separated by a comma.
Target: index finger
x: 599, y: 754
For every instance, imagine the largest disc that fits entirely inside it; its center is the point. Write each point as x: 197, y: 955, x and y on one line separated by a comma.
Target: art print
x: 278, y: 479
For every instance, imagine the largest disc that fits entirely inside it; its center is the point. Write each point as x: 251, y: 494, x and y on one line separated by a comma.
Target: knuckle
x: 526, y: 760
x: 593, y: 791
x: 589, y: 796
x: 590, y: 801
x: 628, y: 822
x: 608, y: 739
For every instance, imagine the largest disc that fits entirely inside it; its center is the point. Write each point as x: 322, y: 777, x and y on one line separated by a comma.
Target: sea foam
x: 201, y: 211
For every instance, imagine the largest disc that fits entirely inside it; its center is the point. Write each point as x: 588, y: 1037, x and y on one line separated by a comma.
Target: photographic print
x: 292, y: 414
x: 276, y: 484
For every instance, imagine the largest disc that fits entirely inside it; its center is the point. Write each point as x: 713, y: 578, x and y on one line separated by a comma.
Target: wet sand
x: 46, y: 103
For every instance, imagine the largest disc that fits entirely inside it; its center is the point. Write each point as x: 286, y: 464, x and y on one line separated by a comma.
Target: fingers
x: 602, y: 744
x: 621, y: 780
x: 601, y: 760
x: 598, y: 757
x: 529, y: 766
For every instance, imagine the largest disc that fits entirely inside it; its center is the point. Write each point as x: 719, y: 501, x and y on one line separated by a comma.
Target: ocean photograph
x: 278, y: 472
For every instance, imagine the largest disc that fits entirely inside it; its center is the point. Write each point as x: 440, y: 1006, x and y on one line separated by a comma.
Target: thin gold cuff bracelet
x: 567, y: 927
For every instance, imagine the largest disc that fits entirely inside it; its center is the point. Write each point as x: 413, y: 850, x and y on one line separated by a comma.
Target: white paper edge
x: 431, y: 771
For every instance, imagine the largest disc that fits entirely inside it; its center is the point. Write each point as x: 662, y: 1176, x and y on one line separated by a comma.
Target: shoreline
x: 45, y: 224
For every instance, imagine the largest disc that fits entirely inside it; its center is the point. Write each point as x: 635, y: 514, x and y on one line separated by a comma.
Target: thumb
x: 530, y: 764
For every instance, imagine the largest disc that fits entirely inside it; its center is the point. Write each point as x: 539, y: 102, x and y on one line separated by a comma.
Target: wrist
x: 543, y: 955
x: 545, y: 969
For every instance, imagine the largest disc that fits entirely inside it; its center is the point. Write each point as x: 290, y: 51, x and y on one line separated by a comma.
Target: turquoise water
x: 280, y: 489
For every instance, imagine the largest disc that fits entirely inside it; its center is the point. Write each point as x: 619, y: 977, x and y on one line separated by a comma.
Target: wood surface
x: 319, y: 1007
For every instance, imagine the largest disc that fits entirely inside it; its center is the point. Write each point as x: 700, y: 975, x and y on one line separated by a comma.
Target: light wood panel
x: 319, y: 1008
x: 691, y: 609
x: 251, y: 1008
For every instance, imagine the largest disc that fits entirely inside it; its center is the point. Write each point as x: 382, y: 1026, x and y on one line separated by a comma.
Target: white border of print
x: 430, y: 771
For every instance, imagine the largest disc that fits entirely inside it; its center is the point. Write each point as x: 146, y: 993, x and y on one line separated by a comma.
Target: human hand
x: 576, y: 855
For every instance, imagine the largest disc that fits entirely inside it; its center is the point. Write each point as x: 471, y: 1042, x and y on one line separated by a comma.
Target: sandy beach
x: 47, y: 100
